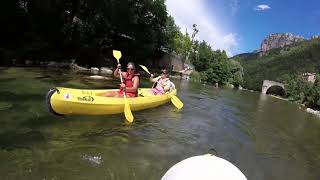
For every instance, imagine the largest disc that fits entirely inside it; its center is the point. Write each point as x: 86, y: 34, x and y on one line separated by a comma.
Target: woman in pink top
x: 162, y: 84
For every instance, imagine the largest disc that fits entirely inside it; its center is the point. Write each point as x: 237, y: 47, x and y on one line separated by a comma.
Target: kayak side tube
x: 69, y: 101
x: 48, y: 101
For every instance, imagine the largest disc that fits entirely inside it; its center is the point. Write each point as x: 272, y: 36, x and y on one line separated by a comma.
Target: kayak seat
x: 144, y: 93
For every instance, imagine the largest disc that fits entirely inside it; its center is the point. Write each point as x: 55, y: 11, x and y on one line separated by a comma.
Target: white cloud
x: 262, y: 7
x: 231, y: 40
x: 187, y: 13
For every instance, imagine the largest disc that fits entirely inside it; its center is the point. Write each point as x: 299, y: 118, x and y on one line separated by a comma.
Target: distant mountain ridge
x: 278, y: 40
x: 287, y: 59
x: 274, y: 41
x: 302, y: 56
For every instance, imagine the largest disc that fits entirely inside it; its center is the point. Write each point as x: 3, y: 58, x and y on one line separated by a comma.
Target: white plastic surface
x: 206, y: 167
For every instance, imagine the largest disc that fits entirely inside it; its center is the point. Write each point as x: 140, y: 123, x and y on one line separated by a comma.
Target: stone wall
x: 171, y: 61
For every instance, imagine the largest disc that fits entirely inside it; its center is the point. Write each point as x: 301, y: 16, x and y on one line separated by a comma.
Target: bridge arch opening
x: 276, y: 90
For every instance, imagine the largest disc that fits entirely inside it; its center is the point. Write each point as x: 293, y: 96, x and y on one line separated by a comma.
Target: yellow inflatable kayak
x: 65, y: 101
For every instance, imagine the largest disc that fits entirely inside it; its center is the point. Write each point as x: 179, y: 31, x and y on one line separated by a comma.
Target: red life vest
x: 127, y: 80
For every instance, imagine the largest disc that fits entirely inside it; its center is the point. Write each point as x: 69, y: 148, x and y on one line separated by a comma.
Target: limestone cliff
x: 278, y: 40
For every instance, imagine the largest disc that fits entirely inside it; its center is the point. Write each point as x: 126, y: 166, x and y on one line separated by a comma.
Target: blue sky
x: 239, y: 26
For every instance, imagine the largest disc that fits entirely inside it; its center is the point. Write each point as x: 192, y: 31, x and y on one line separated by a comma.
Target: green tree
x: 214, y: 66
x: 237, y: 73
x: 191, y: 49
x: 312, y: 94
x: 170, y: 35
x: 205, y: 57
x: 82, y: 29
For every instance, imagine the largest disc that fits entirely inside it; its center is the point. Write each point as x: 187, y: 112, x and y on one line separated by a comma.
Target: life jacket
x: 127, y: 80
x: 165, y: 81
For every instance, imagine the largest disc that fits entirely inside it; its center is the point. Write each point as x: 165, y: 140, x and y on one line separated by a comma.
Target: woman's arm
x: 151, y: 79
x: 116, y: 72
x: 154, y: 79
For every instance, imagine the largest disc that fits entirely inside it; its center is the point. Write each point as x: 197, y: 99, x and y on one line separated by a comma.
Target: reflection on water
x: 265, y: 137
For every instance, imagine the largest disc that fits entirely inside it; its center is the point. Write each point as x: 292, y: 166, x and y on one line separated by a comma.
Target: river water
x: 265, y: 137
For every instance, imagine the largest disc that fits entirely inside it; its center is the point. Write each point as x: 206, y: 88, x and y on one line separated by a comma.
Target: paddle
x: 174, y: 99
x: 145, y: 68
x: 127, y: 110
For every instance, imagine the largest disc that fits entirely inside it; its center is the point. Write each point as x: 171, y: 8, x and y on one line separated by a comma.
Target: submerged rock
x: 93, y: 159
x: 5, y: 105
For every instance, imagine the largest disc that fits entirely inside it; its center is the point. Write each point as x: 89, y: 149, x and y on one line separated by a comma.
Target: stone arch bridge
x: 267, y: 84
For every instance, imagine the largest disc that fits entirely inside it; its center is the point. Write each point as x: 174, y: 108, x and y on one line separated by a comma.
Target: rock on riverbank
x: 309, y: 110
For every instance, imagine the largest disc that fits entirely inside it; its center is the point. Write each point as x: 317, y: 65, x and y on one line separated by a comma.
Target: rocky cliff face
x: 172, y: 62
x: 278, y: 40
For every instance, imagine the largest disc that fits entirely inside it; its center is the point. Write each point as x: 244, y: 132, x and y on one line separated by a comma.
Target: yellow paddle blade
x: 127, y: 112
x: 117, y: 55
x: 145, y: 68
x: 176, y: 101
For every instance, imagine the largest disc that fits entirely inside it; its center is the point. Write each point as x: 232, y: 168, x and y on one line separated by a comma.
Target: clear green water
x: 265, y: 137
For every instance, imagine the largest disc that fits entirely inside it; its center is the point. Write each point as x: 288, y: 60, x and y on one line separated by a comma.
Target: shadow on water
x: 43, y: 77
x: 5, y: 80
x: 13, y: 97
x: 2, y: 69
x: 15, y: 140
x: 36, y: 122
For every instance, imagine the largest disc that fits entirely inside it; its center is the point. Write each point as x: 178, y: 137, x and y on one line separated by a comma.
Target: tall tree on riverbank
x: 45, y: 30
x: 191, y: 48
x: 214, y: 66
x: 82, y: 29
